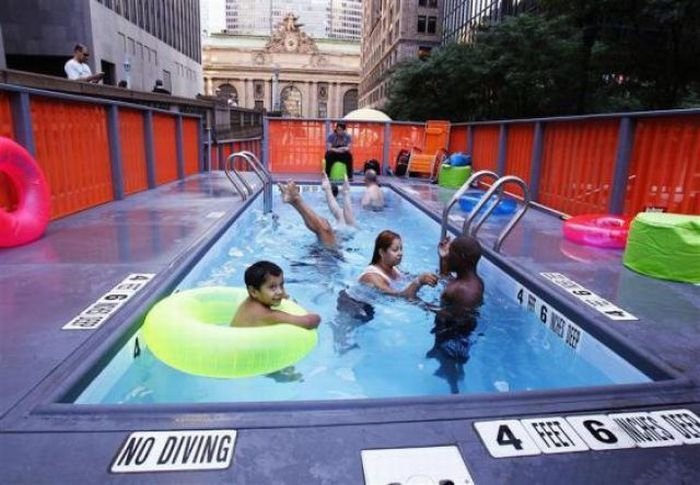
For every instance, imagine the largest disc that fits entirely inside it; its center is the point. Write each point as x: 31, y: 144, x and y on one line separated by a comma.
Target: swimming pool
x: 512, y: 350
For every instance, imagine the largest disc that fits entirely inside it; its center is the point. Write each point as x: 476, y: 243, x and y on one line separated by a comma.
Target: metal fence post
x: 625, y: 141
x: 536, y: 161
x: 266, y: 144
x: 22, y: 122
x: 386, y: 147
x: 150, y: 148
x: 179, y: 148
x: 470, y: 140
x: 502, y: 150
x: 115, y: 151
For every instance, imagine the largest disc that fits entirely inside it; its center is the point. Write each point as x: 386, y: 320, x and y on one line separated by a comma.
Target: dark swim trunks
x: 452, y: 336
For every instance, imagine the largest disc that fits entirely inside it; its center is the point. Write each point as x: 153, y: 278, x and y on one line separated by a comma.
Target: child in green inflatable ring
x: 265, y: 283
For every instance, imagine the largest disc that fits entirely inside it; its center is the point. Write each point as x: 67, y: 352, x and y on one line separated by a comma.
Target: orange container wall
x: 404, y: 137
x: 72, y: 149
x: 367, y: 143
x: 577, y: 165
x: 8, y: 198
x: 296, y: 146
x: 458, y: 139
x: 664, y: 170
x: 485, y: 150
x: 190, y: 144
x: 519, y: 153
x: 133, y: 147
x: 165, y: 148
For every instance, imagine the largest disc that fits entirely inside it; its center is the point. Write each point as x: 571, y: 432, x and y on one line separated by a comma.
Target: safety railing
x: 247, y: 189
x: 455, y: 198
x: 499, y: 187
x: 258, y: 169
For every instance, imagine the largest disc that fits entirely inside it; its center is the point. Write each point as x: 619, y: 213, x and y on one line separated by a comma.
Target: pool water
x: 385, y: 357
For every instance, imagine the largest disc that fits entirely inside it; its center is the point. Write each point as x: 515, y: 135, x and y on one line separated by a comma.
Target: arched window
x: 291, y: 102
x: 349, y: 101
x: 228, y: 93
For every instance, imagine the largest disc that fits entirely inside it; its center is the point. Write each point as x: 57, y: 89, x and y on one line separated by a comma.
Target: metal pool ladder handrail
x: 243, y: 192
x: 473, y: 179
x: 258, y: 169
x: 498, y: 185
x: 267, y: 183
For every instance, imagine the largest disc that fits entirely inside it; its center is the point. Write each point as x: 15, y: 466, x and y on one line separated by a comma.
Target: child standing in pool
x: 459, y: 306
x: 265, y: 283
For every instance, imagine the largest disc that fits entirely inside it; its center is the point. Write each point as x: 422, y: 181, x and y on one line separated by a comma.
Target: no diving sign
x: 155, y: 451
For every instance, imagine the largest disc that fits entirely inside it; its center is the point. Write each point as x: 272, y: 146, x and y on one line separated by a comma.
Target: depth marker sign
x: 97, y: 313
x: 156, y: 451
x: 554, y: 434
x: 588, y: 297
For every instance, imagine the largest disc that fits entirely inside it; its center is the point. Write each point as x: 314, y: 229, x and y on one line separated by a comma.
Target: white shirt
x: 76, y: 70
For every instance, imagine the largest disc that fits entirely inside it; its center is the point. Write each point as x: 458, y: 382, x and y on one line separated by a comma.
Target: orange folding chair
x: 426, y: 160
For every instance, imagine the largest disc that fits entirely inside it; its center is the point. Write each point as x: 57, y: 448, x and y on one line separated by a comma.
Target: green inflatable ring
x: 190, y: 331
x: 338, y: 172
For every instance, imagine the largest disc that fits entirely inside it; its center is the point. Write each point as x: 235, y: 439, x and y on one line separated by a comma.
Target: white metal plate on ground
x: 554, y: 435
x: 600, y: 432
x: 156, y: 451
x: 505, y: 438
x: 645, y: 430
x: 97, y: 313
x: 415, y: 466
x: 611, y: 311
x: 683, y: 421
x: 215, y: 215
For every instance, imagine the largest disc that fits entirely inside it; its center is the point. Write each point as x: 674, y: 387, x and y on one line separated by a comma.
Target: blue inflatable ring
x: 470, y: 198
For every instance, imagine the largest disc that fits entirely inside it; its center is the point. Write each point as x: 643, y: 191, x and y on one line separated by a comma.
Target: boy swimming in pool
x: 265, y: 283
x: 457, y: 317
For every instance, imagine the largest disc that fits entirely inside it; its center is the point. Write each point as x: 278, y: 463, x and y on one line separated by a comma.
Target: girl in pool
x: 383, y: 274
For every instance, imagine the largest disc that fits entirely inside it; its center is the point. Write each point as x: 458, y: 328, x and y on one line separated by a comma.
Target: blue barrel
x: 459, y: 159
x: 472, y: 197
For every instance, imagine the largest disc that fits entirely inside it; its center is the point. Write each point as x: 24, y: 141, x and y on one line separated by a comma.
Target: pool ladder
x: 498, y: 185
x: 241, y: 185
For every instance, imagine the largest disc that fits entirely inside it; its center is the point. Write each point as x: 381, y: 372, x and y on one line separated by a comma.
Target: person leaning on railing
x: 77, y: 67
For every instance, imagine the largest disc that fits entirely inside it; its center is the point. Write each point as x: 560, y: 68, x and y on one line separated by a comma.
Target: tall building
x: 130, y: 40
x: 393, y: 31
x: 322, y: 19
x: 463, y: 17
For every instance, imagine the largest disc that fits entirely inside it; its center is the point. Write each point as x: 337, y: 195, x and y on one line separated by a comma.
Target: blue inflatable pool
x: 472, y: 197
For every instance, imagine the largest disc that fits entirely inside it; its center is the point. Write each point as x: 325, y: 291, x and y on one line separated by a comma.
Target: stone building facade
x: 288, y: 71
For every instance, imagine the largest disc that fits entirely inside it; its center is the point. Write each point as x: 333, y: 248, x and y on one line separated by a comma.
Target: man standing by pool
x: 338, y: 146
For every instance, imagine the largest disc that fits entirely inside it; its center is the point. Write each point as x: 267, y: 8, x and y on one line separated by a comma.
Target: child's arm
x: 347, y: 204
x: 332, y: 203
x: 308, y: 321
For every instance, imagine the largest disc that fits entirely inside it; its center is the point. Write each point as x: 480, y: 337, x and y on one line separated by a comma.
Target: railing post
x: 536, y: 161
x: 625, y: 141
x: 470, y: 140
x: 266, y: 144
x: 22, y: 122
x: 179, y: 147
x: 386, y: 147
x: 150, y: 148
x: 502, y: 150
x: 115, y: 151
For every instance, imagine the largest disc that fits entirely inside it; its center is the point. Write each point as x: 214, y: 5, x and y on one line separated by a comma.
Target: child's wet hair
x: 256, y: 273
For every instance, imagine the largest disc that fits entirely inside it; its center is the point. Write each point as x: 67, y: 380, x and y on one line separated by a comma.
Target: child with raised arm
x: 265, y: 283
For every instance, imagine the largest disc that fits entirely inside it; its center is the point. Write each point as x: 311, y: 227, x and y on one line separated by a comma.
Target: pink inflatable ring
x: 602, y: 230
x: 28, y: 220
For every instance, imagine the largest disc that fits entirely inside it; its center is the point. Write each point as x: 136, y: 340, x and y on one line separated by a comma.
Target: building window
x: 422, y: 3
x: 432, y: 3
x: 349, y: 101
x: 259, y: 105
x: 291, y: 102
x: 322, y: 109
x: 432, y: 23
x: 227, y: 93
x: 421, y: 23
x: 423, y: 52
